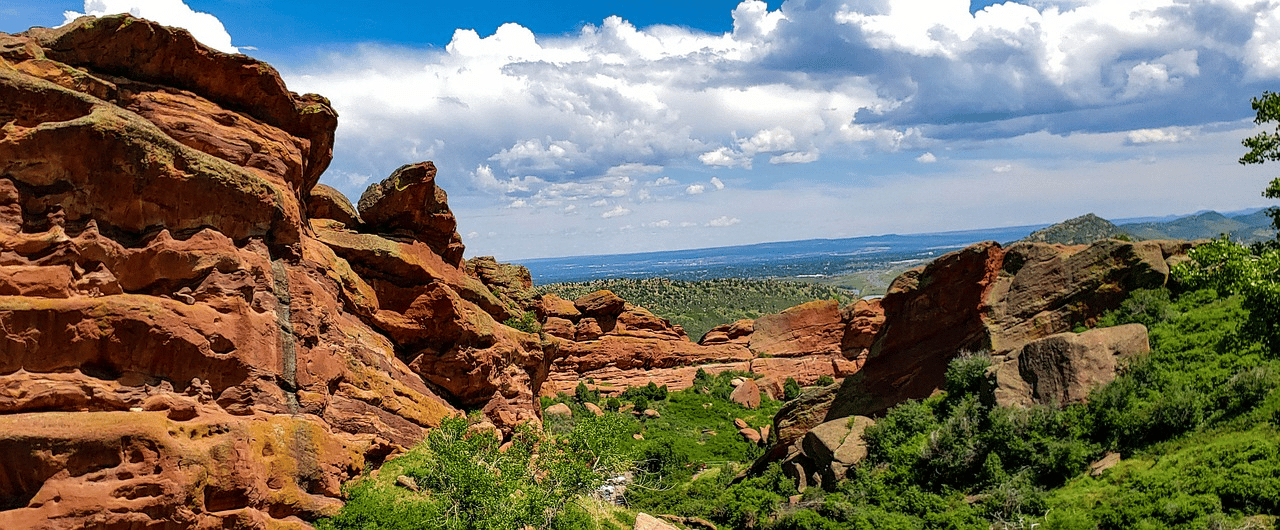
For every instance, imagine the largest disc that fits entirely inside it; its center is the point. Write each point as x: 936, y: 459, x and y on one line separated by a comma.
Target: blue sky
x: 610, y: 127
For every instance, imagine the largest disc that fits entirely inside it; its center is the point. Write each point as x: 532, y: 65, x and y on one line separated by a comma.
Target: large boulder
x: 1062, y: 369
x: 747, y: 394
x: 836, y: 446
x: 409, y: 203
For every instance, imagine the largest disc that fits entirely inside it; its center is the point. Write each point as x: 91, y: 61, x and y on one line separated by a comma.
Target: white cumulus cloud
x: 617, y: 211
x: 1154, y: 136
x: 723, y: 221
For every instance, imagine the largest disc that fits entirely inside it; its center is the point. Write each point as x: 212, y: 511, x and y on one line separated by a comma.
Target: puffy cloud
x: 796, y: 157
x: 665, y: 181
x: 205, y: 27
x: 809, y: 79
x: 617, y: 211
x: 606, y: 112
x: 723, y: 221
x: 1153, y: 136
x: 725, y: 157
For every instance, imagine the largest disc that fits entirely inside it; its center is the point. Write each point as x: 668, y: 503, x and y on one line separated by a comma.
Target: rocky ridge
x: 602, y: 338
x: 1018, y: 304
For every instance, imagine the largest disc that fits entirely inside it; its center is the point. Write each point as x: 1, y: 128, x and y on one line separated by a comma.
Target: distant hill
x: 1246, y: 228
x: 1078, y: 231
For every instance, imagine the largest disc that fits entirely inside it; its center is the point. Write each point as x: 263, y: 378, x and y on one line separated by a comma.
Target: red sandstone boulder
x: 550, y: 305
x: 600, y: 304
x: 1062, y: 369
x: 747, y: 394
x: 410, y: 203
x: 328, y: 203
x: 738, y: 332
x: 512, y: 284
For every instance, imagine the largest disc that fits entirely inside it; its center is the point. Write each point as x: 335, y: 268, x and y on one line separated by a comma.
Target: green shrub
x: 526, y: 322
x: 825, y: 380
x: 473, y: 485
x: 790, y: 389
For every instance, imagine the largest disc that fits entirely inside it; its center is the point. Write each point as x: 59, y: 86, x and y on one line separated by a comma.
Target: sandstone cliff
x: 193, y: 334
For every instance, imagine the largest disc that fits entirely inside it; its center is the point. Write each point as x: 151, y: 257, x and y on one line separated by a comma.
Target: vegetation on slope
x: 698, y: 306
x: 1196, y: 423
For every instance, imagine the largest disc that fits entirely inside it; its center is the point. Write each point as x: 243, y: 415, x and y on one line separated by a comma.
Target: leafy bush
x: 651, y: 392
x: 582, y: 395
x: 526, y: 322
x: 825, y: 380
x: 1230, y: 268
x: 790, y: 389
x: 468, y: 483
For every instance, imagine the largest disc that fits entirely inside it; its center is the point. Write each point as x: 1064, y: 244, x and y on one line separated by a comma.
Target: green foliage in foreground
x: 698, y: 306
x: 468, y: 483
x: 1196, y: 421
x: 1265, y: 146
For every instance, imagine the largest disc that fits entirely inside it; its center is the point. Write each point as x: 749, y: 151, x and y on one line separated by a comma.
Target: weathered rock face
x: 408, y: 203
x: 512, y: 284
x: 182, y: 346
x: 1061, y: 369
x: 1017, y: 303
x: 835, y: 446
x: 806, y: 329
x: 602, y: 337
x: 931, y: 314
x: 990, y: 298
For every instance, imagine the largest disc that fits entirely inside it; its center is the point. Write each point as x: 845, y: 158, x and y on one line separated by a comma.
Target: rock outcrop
x: 990, y: 298
x: 1061, y: 369
x: 604, y: 338
x: 193, y: 333
x: 834, y: 447
x: 1018, y: 303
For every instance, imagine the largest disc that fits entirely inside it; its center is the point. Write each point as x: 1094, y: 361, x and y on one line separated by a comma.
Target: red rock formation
x: 990, y: 298
x: 1062, y: 369
x: 813, y: 328
x: 619, y: 345
x: 168, y: 360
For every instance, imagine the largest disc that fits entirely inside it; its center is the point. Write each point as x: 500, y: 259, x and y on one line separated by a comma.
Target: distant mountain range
x: 865, y: 265
x: 1246, y: 227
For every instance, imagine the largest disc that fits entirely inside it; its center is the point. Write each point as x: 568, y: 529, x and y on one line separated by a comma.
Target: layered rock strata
x: 193, y: 334
x: 603, y: 338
